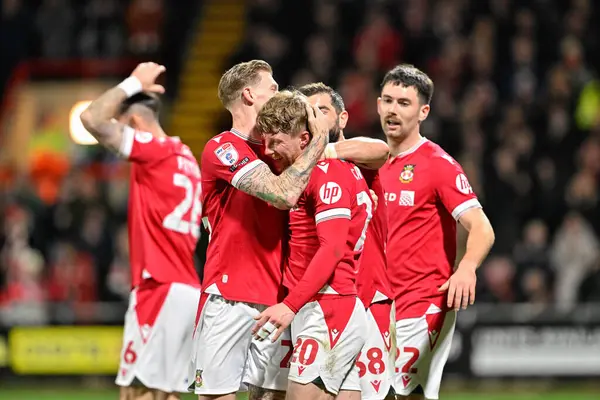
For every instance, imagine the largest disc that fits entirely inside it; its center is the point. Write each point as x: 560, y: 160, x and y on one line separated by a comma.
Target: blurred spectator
x: 574, y: 253
x: 56, y: 25
x: 144, y: 21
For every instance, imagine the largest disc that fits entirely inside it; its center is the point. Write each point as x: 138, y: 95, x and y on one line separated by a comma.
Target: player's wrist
x: 289, y: 305
x: 330, y: 151
x: 131, y: 86
x: 469, y: 265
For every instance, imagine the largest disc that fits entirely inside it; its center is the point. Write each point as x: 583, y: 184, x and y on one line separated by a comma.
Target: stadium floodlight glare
x: 78, y: 132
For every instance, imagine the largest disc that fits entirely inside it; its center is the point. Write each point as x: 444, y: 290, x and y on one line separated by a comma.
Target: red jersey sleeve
x: 453, y: 188
x: 330, y: 198
x: 229, y: 160
x: 143, y: 147
x: 329, y: 194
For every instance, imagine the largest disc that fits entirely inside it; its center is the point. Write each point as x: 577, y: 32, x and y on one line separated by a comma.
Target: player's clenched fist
x: 277, y: 317
x: 147, y: 73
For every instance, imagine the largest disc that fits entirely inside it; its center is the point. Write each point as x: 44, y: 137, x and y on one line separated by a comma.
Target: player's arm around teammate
x: 365, y: 152
x: 284, y: 190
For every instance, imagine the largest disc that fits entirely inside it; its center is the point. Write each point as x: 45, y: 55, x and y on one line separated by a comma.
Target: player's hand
x: 317, y: 122
x: 275, y: 317
x: 375, y: 199
x: 147, y: 73
x: 461, y: 286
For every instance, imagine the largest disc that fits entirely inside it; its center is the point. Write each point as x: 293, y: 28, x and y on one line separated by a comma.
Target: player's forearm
x: 97, y: 118
x: 367, y: 152
x: 317, y: 274
x: 480, y: 240
x: 283, y: 191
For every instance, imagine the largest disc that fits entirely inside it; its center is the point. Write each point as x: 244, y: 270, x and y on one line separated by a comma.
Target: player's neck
x: 244, y: 121
x: 398, y: 146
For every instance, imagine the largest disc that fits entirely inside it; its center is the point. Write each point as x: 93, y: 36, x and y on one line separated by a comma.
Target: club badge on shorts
x: 198, y: 381
x: 407, y: 173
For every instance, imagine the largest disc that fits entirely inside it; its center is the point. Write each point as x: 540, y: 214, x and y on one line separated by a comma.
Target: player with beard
x: 376, y: 361
x: 427, y: 193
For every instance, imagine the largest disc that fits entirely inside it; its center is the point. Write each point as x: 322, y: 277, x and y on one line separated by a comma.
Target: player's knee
x: 258, y: 393
x: 134, y: 393
x: 412, y: 396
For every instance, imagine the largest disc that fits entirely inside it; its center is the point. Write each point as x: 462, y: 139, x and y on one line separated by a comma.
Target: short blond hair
x: 285, y: 112
x: 236, y: 78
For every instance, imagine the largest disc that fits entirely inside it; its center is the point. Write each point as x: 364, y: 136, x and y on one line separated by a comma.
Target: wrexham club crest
x: 407, y: 173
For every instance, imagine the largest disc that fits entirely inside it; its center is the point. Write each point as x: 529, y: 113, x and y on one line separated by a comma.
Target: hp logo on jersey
x: 330, y: 193
x: 463, y: 185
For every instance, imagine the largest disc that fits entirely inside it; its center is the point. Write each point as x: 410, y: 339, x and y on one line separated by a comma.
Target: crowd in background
x: 516, y: 102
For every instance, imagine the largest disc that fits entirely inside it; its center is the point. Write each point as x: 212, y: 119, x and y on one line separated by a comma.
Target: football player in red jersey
x: 242, y: 210
x: 163, y: 217
x: 376, y: 360
x: 327, y: 230
x: 427, y: 193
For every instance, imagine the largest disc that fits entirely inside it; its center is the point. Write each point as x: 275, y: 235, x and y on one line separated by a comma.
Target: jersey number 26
x: 175, y: 220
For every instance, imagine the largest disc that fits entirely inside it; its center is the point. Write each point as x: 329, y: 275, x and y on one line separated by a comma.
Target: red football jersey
x: 164, y: 208
x: 244, y: 255
x: 372, y: 282
x: 336, y: 190
x: 426, y: 192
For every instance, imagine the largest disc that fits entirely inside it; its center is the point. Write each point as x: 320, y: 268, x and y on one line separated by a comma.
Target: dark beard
x: 334, y: 134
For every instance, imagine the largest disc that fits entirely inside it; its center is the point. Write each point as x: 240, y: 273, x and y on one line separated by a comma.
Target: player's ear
x: 247, y: 96
x: 343, y: 119
x: 424, y: 112
x: 136, y: 122
x: 379, y: 105
x: 304, y: 139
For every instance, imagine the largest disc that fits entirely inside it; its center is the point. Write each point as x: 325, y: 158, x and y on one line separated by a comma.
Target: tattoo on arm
x: 97, y: 118
x: 283, y: 191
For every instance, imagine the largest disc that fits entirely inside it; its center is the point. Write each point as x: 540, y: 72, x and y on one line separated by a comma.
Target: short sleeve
x: 453, y: 188
x: 329, y: 192
x: 229, y: 160
x: 143, y: 147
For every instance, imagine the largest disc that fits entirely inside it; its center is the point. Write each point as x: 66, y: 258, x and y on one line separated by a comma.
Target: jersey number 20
x: 175, y: 220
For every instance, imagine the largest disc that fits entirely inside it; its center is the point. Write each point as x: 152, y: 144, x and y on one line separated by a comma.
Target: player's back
x: 244, y: 255
x: 336, y: 190
x: 426, y: 190
x: 372, y: 281
x: 164, y: 209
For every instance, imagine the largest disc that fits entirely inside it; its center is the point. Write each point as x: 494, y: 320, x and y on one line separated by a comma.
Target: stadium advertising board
x: 65, y: 350
x: 535, y: 350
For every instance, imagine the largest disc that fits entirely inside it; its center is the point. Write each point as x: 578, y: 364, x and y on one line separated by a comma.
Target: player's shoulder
x: 438, y: 157
x: 331, y: 167
x: 333, y: 170
x: 225, y: 147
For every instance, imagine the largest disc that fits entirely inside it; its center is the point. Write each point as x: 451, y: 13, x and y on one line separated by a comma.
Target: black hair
x: 316, y: 88
x: 408, y: 75
x: 144, y: 99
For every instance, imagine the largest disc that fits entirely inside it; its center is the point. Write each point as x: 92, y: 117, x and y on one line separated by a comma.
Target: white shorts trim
x: 375, y: 363
x: 337, y: 321
x: 423, y: 348
x: 227, y: 356
x: 159, y: 356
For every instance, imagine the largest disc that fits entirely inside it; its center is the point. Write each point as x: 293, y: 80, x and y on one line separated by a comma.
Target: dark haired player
x: 427, y: 193
x: 163, y: 218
